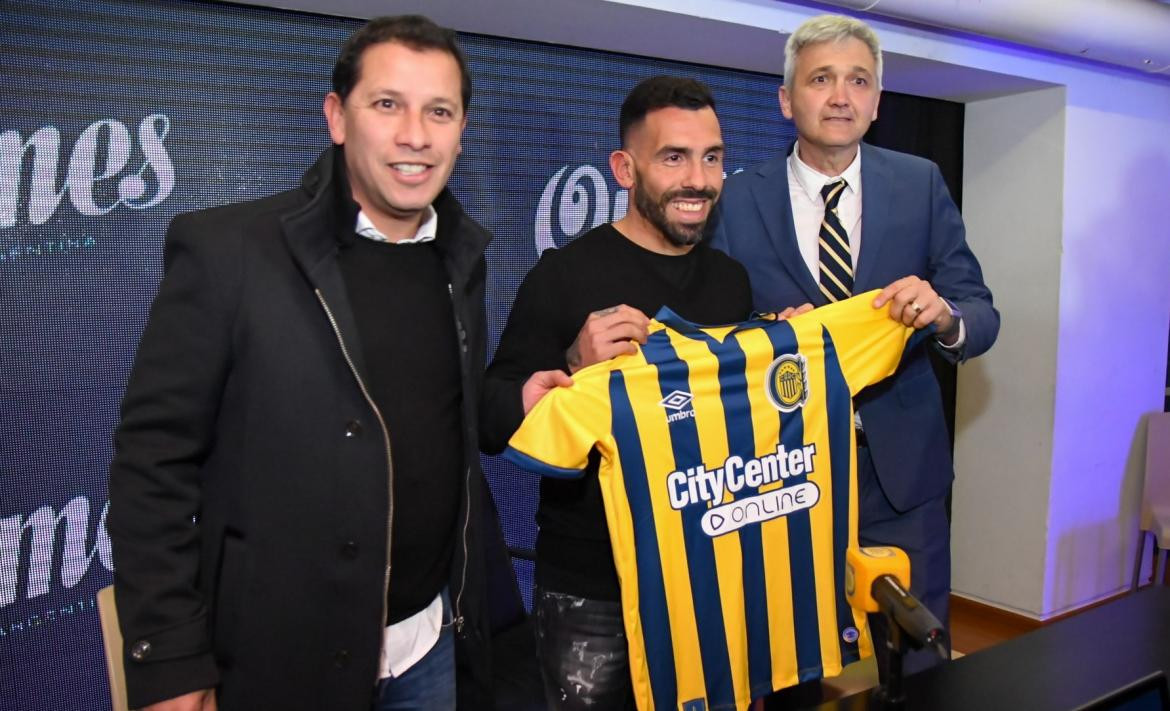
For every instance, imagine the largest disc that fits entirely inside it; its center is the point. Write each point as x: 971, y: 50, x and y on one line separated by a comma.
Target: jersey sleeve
x: 869, y: 343
x: 557, y: 435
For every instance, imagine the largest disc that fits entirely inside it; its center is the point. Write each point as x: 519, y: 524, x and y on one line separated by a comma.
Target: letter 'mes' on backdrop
x: 118, y: 115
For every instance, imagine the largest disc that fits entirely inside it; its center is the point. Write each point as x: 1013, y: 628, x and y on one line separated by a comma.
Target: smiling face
x: 673, y: 166
x: 400, y: 126
x: 833, y: 98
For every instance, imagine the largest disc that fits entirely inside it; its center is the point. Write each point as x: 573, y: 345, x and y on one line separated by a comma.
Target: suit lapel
x: 770, y: 191
x: 876, y: 194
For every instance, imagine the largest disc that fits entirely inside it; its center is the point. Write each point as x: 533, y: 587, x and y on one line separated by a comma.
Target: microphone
x: 876, y: 579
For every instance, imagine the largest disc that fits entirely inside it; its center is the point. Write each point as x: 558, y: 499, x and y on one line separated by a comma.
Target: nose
x: 840, y: 94
x: 412, y: 131
x: 696, y: 176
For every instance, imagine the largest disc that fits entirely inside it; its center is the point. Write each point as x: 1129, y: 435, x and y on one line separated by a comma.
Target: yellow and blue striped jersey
x: 728, y: 476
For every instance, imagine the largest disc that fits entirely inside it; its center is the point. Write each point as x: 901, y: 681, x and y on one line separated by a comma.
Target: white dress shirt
x: 407, y: 641
x: 808, y: 208
x: 426, y: 231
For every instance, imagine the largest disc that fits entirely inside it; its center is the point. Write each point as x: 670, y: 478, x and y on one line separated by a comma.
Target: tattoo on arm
x: 573, y: 356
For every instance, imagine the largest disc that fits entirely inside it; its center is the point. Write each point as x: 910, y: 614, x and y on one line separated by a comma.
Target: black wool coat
x: 250, y: 487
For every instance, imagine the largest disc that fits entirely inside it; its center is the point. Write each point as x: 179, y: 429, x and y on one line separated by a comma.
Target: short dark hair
x: 415, y: 31
x: 661, y: 92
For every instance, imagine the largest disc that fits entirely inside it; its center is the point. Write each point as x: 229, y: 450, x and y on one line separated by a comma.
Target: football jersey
x: 728, y: 477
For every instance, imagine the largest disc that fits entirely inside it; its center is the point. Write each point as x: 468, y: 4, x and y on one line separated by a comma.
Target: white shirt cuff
x: 958, y: 344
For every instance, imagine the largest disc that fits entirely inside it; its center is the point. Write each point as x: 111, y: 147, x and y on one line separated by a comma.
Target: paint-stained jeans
x: 583, y: 657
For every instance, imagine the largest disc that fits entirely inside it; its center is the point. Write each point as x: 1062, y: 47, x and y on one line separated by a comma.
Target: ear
x: 875, y: 107
x: 335, y: 116
x: 785, y: 103
x: 621, y: 164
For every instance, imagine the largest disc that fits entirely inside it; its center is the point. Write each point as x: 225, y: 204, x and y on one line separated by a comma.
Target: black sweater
x: 407, y: 328
x: 598, y: 270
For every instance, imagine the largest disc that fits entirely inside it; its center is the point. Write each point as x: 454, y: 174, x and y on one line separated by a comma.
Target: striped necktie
x: 836, y: 277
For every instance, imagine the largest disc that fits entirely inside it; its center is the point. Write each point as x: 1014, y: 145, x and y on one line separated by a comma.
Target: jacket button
x: 141, y: 650
x: 341, y: 658
x: 349, y: 550
x: 353, y: 428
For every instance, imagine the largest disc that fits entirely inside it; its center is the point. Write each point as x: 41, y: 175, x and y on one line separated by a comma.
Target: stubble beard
x: 654, y: 211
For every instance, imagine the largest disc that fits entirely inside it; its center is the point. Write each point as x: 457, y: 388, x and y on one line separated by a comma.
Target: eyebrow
x: 383, y: 92
x: 682, y: 149
x: 857, y: 68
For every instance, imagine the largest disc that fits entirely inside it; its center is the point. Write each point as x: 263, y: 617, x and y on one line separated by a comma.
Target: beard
x: 654, y: 210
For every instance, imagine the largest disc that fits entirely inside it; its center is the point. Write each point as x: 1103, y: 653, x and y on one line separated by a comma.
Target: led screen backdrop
x: 118, y: 115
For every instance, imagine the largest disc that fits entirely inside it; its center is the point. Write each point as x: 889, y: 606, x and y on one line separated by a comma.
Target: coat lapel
x: 876, y: 194
x: 311, y: 235
x: 770, y: 191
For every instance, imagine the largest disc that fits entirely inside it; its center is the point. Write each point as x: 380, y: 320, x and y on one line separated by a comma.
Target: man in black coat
x: 298, y: 516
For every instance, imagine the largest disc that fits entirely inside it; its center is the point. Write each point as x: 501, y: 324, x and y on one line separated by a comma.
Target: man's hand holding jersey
x: 605, y: 334
x: 540, y: 383
x: 792, y: 311
x: 914, y: 302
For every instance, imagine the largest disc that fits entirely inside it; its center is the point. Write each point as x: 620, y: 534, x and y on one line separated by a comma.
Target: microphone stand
x: 910, y: 624
x: 891, y: 693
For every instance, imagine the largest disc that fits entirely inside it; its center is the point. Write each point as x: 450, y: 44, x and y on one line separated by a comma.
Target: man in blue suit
x: 837, y: 217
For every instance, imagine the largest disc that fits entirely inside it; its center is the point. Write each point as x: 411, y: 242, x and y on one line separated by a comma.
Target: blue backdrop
x: 116, y: 116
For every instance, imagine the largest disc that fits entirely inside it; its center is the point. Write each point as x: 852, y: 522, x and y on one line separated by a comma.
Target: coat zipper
x: 457, y: 618
x: 389, y: 460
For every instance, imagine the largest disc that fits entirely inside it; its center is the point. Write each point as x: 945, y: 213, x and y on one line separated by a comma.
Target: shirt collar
x: 811, y: 180
x: 426, y: 231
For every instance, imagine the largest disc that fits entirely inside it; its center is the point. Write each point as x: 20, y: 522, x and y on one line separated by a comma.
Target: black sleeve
x: 167, y: 428
x: 534, y: 339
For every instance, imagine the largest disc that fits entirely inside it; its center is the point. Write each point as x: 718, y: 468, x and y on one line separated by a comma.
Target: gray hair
x: 830, y: 28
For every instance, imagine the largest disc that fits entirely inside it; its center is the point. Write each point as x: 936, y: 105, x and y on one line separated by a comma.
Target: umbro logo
x: 679, y: 402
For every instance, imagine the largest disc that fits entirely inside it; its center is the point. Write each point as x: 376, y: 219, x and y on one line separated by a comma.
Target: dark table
x: 1055, y: 668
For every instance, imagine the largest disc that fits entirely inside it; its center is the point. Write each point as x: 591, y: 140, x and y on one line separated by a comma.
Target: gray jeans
x: 584, y: 660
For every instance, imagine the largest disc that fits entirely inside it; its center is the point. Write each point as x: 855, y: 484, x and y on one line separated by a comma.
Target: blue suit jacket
x: 910, y: 225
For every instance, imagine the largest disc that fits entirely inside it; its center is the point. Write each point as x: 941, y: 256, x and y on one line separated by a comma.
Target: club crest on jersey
x: 787, y: 382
